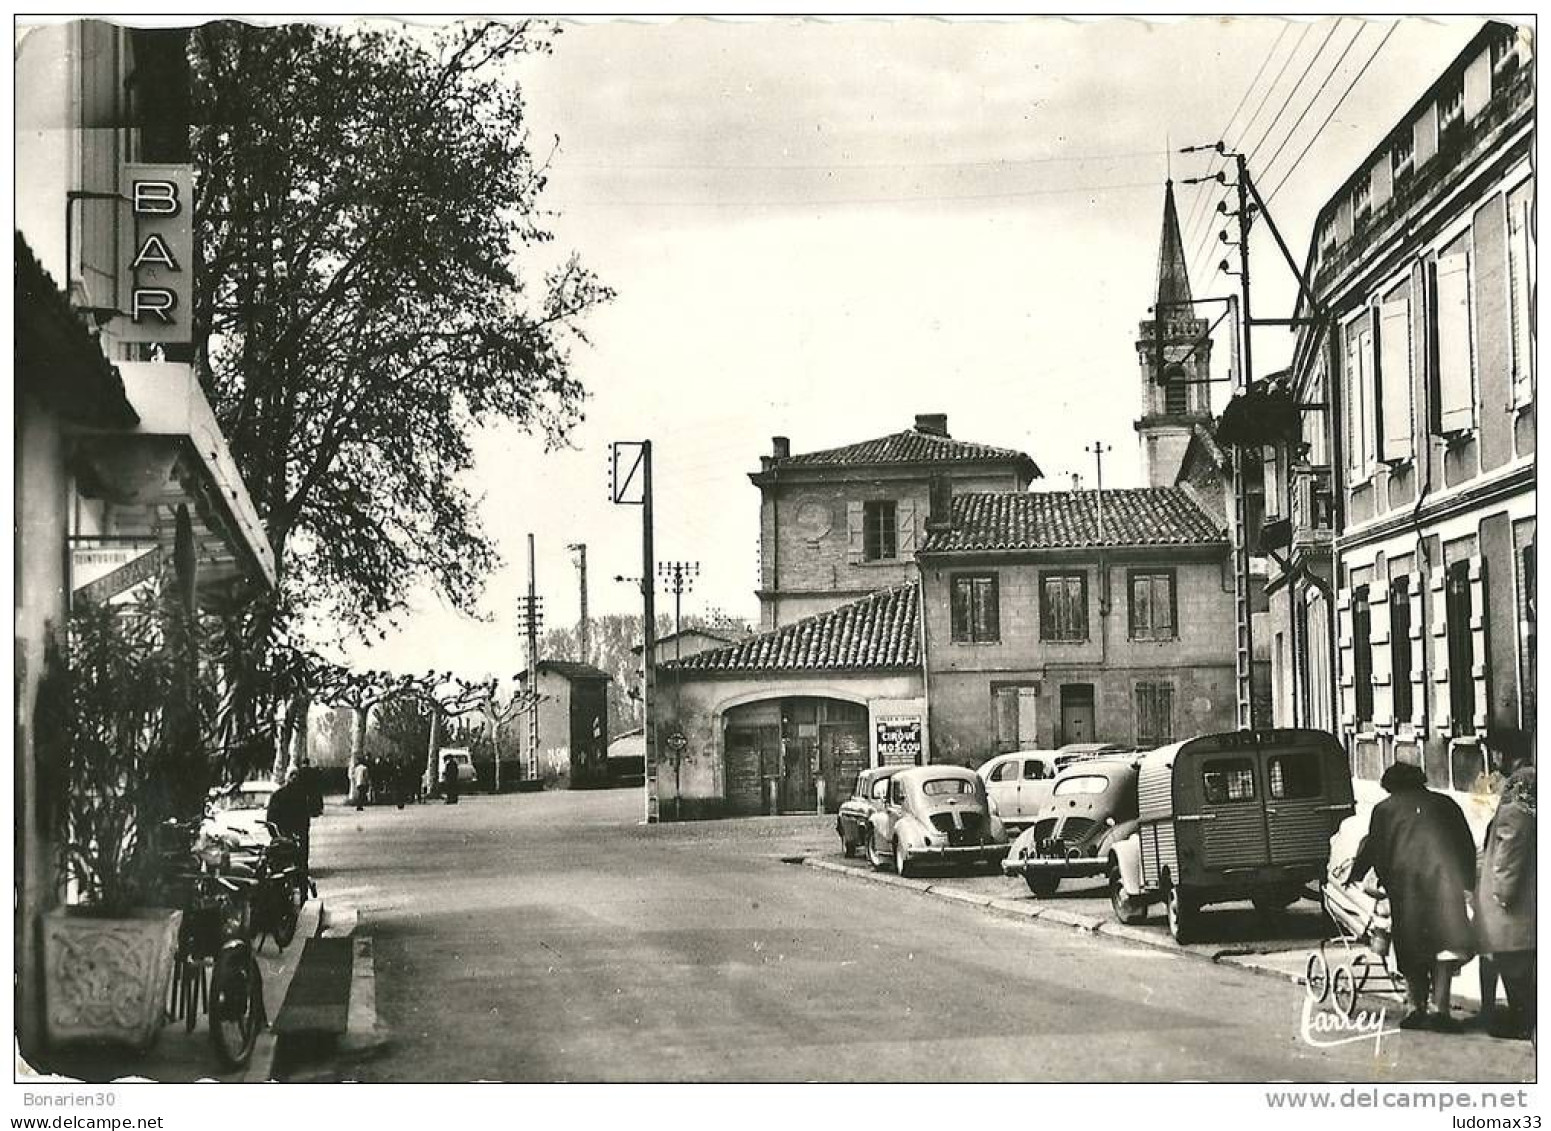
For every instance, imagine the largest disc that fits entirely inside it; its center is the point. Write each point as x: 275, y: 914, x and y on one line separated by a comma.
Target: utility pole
x: 1098, y: 449
x: 1244, y: 646
x: 584, y: 627
x: 530, y: 619
x: 678, y: 578
x: 630, y: 484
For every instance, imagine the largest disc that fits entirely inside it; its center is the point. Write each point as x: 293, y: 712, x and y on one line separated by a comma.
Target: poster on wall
x: 898, y: 740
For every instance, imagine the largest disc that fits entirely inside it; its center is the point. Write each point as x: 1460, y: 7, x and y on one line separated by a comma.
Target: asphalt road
x: 550, y: 937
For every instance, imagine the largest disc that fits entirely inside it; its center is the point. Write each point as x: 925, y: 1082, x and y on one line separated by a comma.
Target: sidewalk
x: 1277, y: 947
x: 179, y: 1056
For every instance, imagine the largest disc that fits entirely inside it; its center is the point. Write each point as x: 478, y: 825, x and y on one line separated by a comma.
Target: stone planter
x: 105, y: 979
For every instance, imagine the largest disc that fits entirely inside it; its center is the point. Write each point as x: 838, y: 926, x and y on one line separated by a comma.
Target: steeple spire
x: 1173, y: 276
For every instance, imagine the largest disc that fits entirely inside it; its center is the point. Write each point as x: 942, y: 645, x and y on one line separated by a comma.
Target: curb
x: 261, y: 1067
x: 364, y: 1031
x: 1087, y: 924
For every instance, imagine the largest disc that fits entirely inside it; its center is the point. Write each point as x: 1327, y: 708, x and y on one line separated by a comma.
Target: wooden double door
x: 780, y: 751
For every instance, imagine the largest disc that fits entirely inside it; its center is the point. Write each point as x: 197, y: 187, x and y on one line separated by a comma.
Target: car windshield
x: 938, y: 787
x: 1082, y: 784
x: 242, y: 799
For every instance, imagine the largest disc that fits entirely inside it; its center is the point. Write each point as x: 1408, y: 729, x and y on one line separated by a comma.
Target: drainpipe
x: 926, y: 684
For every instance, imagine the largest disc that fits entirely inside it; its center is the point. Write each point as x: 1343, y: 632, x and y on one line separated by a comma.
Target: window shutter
x: 1418, y: 653
x: 1028, y: 716
x: 1345, y: 660
x: 1443, y: 723
x: 1479, y: 660
x: 854, y: 534
x: 1520, y: 293
x: 905, y: 518
x: 1369, y: 377
x: 1352, y: 409
x: 1456, y: 399
x: 1380, y: 656
x: 1395, y: 378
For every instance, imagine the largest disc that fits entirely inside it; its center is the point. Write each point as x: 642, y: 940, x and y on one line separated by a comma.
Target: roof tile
x: 909, y: 446
x: 877, y: 632
x: 1052, y: 520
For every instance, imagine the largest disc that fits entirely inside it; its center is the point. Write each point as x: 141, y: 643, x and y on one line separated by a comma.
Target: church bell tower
x: 1175, y: 355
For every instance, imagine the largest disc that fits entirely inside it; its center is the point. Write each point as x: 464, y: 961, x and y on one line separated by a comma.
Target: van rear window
x: 1293, y: 776
x: 1228, y: 779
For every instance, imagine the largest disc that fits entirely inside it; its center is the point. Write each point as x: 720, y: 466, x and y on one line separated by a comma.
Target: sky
x: 818, y: 229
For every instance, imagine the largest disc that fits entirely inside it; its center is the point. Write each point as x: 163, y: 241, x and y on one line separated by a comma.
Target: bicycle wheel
x: 286, y: 910
x: 236, y: 1005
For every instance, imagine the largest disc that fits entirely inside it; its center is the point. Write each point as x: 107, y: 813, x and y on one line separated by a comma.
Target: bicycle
x: 214, y: 972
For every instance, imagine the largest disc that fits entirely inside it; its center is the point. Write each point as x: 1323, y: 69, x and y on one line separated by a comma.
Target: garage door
x: 745, y: 756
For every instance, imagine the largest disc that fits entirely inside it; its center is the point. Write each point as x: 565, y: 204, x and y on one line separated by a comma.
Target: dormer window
x: 1451, y: 107
x: 1401, y: 156
x: 1362, y: 198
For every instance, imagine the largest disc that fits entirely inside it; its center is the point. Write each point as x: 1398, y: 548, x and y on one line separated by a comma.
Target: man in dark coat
x: 450, y: 781
x: 312, y: 786
x: 1421, y: 847
x: 290, y: 811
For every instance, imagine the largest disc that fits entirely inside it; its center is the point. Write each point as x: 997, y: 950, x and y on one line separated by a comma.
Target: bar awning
x: 176, y: 456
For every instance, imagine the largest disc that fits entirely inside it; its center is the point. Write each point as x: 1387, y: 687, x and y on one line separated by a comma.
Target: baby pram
x: 1357, y: 958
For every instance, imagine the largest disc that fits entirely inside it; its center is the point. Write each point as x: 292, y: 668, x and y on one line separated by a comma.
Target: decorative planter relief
x: 106, y: 979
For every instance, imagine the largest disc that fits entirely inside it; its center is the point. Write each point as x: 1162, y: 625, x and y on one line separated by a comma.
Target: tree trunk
x: 432, y: 749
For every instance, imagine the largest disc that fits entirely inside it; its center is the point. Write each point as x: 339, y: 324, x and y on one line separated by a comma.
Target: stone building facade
x: 1410, y: 587
x: 1058, y: 617
x: 838, y: 524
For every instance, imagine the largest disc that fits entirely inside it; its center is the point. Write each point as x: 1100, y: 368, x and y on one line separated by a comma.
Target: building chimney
x: 939, y: 515
x: 932, y: 423
x: 780, y: 447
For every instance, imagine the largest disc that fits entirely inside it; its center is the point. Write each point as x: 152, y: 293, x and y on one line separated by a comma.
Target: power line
x: 995, y: 163
x: 1193, y: 220
x: 1271, y: 164
x: 1270, y: 196
x: 835, y: 201
x: 1292, y: 95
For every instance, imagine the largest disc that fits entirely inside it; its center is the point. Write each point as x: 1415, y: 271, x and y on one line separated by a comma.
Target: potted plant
x: 118, y: 728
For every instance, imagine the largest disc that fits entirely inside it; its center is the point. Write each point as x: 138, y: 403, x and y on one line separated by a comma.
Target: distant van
x: 1224, y: 817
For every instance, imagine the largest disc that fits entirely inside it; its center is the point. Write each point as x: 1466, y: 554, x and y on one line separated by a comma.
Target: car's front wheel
x: 1184, y: 915
x: 902, y: 863
x: 1126, y: 909
x: 877, y: 861
x: 847, y: 846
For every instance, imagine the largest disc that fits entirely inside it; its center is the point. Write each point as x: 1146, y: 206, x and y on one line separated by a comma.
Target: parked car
x: 1018, y: 785
x: 238, y: 816
x: 1092, y: 807
x: 935, y: 815
x: 465, y: 763
x: 870, y: 794
x: 1077, y: 751
x: 1222, y: 817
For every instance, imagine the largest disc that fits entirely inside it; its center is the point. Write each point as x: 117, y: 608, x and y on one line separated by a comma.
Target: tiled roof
x: 570, y: 670
x: 909, y: 446
x: 1053, y: 520
x: 874, y: 633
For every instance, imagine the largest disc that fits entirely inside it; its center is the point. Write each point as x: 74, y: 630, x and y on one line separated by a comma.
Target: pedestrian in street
x: 290, y: 812
x: 360, y: 782
x: 450, y: 780
x: 1421, y: 847
x: 311, y: 783
x: 1505, y: 909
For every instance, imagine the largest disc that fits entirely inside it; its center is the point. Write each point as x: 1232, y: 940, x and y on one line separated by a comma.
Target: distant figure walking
x: 450, y: 780
x: 1422, y: 848
x: 360, y: 783
x: 1505, y: 908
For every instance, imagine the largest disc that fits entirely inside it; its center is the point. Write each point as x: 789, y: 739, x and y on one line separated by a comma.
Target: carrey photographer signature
x: 1328, y: 1028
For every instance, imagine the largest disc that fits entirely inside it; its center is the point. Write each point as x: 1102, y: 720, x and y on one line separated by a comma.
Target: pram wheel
x: 1316, y: 977
x: 1343, y: 990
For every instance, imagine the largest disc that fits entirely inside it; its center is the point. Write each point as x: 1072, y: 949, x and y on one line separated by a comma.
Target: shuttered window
x: 1063, y: 613
x: 1455, y: 343
x: 976, y: 611
x: 1154, y: 714
x: 1362, y: 653
x: 1521, y: 258
x: 1400, y: 646
x: 880, y: 530
x: 1395, y: 376
x: 1457, y: 604
x: 1152, y: 605
x: 1361, y: 411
